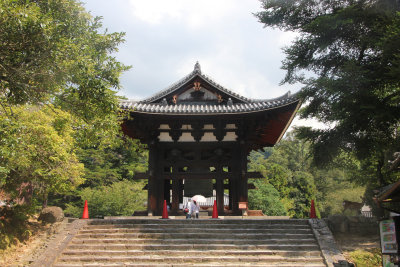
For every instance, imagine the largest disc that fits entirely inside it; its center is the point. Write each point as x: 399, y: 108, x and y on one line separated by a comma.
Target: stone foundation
x: 352, y: 224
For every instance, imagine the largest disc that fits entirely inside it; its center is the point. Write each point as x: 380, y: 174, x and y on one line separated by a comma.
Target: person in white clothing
x: 195, y: 208
x: 189, y: 206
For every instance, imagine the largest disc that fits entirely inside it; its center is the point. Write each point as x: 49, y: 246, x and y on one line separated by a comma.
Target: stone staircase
x: 233, y: 242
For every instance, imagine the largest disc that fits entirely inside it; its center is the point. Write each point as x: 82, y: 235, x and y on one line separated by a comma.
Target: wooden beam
x: 254, y: 175
x: 141, y: 175
x: 226, y: 186
x: 196, y: 175
x: 251, y: 186
x: 207, y: 175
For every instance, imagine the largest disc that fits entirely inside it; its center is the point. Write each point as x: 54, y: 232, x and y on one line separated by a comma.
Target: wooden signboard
x: 388, y: 237
x: 243, y: 205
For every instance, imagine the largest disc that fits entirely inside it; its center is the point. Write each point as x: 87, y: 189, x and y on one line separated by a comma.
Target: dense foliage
x: 105, y: 165
x: 57, y: 101
x: 107, y: 169
x: 37, y: 150
x: 350, y: 52
x: 267, y: 199
x: 288, y: 168
x: 118, y: 199
x: 52, y: 51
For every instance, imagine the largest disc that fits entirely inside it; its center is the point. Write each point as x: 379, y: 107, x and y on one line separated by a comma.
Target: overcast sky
x: 165, y: 38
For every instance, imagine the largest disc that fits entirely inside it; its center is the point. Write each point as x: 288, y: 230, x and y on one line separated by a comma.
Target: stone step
x: 237, y: 222
x: 186, y: 259
x: 189, y: 241
x: 197, y: 230
x: 197, y: 226
x: 210, y: 264
x: 192, y: 236
x: 112, y: 253
x: 210, y: 246
x: 203, y: 242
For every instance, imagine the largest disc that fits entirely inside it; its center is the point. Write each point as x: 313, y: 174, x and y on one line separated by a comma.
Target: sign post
x: 389, y: 247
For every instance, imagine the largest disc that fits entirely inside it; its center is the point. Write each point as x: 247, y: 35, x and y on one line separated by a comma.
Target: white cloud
x: 308, y: 123
x: 154, y: 11
x: 285, y: 38
x: 190, y: 13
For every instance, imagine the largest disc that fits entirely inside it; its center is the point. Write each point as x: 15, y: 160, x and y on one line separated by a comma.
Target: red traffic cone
x: 85, y: 214
x: 215, y: 211
x: 165, y: 211
x: 313, y: 215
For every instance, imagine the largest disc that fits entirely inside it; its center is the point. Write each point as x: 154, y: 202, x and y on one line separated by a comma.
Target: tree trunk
x: 379, y: 170
x: 44, y: 204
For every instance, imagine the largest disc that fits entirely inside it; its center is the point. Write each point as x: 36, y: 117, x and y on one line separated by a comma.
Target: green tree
x: 267, y: 199
x: 302, y: 191
x: 351, y: 52
x: 109, y: 164
x: 37, y: 149
x: 289, y: 169
x: 121, y: 198
x: 52, y: 51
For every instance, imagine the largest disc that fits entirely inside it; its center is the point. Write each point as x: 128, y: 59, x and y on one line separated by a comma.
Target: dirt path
x: 351, y: 242
x: 23, y: 254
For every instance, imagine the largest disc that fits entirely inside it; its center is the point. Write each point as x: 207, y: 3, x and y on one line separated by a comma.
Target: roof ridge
x: 197, y: 72
x: 170, y: 88
x: 195, y: 108
x: 287, y: 95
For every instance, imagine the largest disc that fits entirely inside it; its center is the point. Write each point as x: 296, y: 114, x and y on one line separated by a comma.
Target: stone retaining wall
x: 352, y: 224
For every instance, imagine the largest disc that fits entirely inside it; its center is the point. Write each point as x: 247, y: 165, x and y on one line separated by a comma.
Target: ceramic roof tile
x: 197, y: 72
x: 203, y: 109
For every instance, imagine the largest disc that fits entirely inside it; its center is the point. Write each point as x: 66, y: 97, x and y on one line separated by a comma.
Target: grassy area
x: 366, y: 258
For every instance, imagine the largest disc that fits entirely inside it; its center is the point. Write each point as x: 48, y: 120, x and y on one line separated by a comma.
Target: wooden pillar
x: 235, y: 185
x: 220, y: 195
x: 167, y: 191
x: 235, y: 200
x: 181, y: 188
x: 158, y: 184
x: 230, y: 194
x: 151, y: 191
x: 243, y: 180
x: 160, y: 195
x: 175, y: 195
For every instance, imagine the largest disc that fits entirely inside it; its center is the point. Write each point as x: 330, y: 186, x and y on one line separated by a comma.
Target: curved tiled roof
x: 197, y: 72
x: 156, y: 108
x: 148, y: 105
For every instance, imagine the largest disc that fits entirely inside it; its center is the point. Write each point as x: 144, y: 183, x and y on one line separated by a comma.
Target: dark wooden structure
x: 199, y: 132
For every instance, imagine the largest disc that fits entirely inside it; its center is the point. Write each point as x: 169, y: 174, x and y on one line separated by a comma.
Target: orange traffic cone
x: 313, y: 215
x: 165, y: 211
x: 215, y: 211
x: 85, y: 214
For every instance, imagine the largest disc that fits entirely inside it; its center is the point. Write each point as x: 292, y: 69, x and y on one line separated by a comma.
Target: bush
x: 118, y: 199
x: 267, y: 199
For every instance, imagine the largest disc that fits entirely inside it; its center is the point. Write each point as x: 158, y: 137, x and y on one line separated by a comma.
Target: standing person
x: 189, y: 209
x: 196, y: 208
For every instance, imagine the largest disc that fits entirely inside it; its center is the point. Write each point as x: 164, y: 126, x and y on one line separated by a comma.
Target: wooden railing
x: 367, y: 214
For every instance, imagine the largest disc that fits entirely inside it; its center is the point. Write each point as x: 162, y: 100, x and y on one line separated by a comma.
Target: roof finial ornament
x: 197, y: 67
x: 230, y: 102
